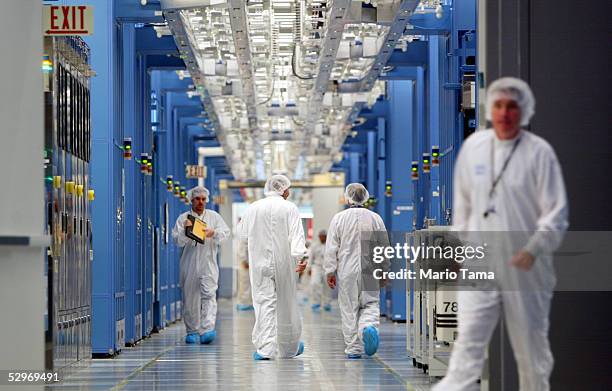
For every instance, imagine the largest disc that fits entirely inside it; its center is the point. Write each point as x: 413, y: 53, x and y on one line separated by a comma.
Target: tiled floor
x: 164, y: 362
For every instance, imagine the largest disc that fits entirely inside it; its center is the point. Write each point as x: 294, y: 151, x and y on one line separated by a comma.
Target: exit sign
x: 193, y: 172
x: 68, y: 20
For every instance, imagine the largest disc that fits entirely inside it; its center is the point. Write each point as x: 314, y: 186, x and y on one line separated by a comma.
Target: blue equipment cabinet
x: 108, y: 269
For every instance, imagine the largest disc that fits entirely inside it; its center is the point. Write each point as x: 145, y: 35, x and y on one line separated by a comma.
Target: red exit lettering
x: 68, y: 14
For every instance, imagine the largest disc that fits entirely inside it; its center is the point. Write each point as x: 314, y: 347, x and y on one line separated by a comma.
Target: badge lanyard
x: 494, y: 183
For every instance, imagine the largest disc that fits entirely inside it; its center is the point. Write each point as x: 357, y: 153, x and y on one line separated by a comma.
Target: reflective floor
x: 164, y: 362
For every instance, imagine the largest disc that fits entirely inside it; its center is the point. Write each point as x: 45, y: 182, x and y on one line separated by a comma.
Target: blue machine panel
x: 106, y: 171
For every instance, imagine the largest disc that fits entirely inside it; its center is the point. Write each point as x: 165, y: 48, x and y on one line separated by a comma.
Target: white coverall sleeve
x: 382, y: 239
x: 242, y: 233
x: 332, y: 245
x: 553, y: 205
x: 222, y: 231
x: 462, y: 205
x: 310, y: 253
x: 296, y: 235
x: 178, y: 232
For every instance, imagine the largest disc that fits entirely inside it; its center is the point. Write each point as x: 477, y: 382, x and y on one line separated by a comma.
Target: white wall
x: 21, y: 192
x: 226, y: 256
x: 325, y: 204
x: 225, y: 210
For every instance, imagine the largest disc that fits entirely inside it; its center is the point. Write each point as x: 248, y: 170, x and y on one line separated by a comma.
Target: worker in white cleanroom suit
x: 348, y: 232
x: 320, y: 293
x: 199, y: 272
x: 508, y: 182
x: 304, y: 278
x: 273, y: 231
x: 245, y: 300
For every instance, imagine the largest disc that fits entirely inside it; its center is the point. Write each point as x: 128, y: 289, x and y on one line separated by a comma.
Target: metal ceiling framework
x: 283, y: 80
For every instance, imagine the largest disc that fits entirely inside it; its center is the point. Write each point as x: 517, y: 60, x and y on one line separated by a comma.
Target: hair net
x: 356, y: 194
x: 198, y: 191
x: 277, y: 184
x: 515, y: 89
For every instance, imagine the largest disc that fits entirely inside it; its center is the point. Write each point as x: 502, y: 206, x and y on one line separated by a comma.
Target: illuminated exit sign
x: 68, y: 20
x: 193, y: 172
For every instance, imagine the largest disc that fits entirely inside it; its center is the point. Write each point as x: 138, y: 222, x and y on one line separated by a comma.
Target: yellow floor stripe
x: 389, y: 369
x: 140, y: 369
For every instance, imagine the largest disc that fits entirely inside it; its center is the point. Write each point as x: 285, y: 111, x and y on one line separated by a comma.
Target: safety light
x: 127, y: 148
x: 388, y: 189
x: 435, y: 156
x: 177, y: 188
x: 144, y: 161
x: 169, y: 183
x: 414, y: 171
x: 47, y: 65
x: 426, y: 163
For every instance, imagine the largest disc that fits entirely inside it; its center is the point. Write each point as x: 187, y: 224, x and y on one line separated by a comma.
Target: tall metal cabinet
x: 68, y: 195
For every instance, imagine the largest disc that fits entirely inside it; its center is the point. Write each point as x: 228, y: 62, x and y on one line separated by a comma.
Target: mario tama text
x: 433, y: 262
x: 431, y: 274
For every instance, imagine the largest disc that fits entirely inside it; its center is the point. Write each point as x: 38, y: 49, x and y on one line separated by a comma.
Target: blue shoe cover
x: 191, y: 338
x: 315, y: 307
x: 327, y: 307
x: 353, y: 356
x: 259, y: 357
x: 208, y: 337
x: 300, y: 349
x: 244, y: 307
x: 370, y: 340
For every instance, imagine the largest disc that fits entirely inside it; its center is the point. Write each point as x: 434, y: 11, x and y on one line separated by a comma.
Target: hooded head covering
x: 515, y: 89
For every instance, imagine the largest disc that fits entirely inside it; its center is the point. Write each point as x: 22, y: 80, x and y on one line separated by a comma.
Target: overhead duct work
x: 282, y: 81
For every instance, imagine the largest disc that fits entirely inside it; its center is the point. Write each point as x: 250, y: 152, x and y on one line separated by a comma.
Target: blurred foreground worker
x: 245, y: 301
x: 274, y: 235
x: 359, y: 305
x: 304, y: 278
x: 320, y: 293
x: 508, y: 180
x: 199, y: 272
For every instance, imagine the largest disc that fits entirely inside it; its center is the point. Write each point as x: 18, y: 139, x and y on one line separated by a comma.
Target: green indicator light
x: 426, y: 161
x: 144, y: 161
x: 414, y: 169
x: 128, y: 147
x: 49, y: 178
